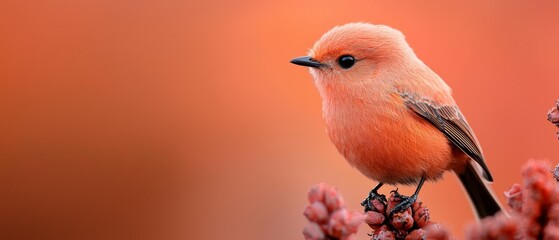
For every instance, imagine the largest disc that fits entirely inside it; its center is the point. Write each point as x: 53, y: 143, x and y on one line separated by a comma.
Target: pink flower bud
x: 402, y: 220
x: 556, y: 173
x: 374, y: 218
x: 378, y: 205
x: 514, y: 197
x: 353, y: 221
x: 316, y: 212
x: 553, y: 115
x: 312, y: 231
x: 384, y: 233
x: 436, y: 232
x: 551, y: 232
x: 316, y: 194
x: 421, y: 216
x: 417, y: 234
x: 416, y: 205
x: 336, y: 225
x: 393, y: 200
x: 333, y: 200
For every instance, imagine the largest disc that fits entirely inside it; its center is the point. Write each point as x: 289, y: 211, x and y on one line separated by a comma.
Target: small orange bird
x: 391, y: 116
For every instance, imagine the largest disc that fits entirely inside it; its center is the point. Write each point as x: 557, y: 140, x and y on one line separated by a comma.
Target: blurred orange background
x: 185, y: 120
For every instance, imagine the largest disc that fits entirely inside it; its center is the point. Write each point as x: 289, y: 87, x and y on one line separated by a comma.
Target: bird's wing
x: 450, y: 121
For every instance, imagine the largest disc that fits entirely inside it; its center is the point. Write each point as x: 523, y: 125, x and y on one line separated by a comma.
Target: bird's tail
x: 482, y: 198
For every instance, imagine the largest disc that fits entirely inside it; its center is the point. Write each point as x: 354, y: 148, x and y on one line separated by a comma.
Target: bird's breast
x: 385, y: 140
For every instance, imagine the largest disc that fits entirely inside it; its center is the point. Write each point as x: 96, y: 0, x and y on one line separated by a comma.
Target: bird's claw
x: 372, y: 196
x: 404, y: 204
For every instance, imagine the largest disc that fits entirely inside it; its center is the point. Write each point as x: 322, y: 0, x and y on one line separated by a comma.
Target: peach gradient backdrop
x: 185, y: 120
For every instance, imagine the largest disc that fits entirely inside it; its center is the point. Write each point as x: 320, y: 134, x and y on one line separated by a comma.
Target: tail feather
x: 482, y: 198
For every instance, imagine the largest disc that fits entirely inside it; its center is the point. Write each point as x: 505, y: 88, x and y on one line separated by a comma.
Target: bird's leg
x: 373, y: 195
x: 408, y: 201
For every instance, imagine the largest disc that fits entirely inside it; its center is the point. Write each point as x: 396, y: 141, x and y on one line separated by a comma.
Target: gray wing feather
x: 450, y: 121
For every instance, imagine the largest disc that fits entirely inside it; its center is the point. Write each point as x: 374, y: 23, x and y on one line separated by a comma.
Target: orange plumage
x: 388, y: 113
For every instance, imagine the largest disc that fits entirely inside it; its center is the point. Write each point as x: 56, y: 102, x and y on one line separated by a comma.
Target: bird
x: 392, y: 117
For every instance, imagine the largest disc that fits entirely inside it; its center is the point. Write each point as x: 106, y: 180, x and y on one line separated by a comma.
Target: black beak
x: 307, y: 62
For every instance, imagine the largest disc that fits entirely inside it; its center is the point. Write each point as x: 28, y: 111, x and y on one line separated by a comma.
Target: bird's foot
x: 404, y: 204
x: 367, y: 202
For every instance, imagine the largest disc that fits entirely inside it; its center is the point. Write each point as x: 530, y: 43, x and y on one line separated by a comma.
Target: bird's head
x: 355, y: 52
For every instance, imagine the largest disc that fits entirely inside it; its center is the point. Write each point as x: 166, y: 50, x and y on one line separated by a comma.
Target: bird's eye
x: 346, y: 61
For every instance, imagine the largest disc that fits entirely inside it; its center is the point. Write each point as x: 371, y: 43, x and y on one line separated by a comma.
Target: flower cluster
x: 328, y: 216
x: 412, y: 223
x: 534, y: 210
x: 556, y: 173
x: 553, y: 115
x: 329, y: 219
